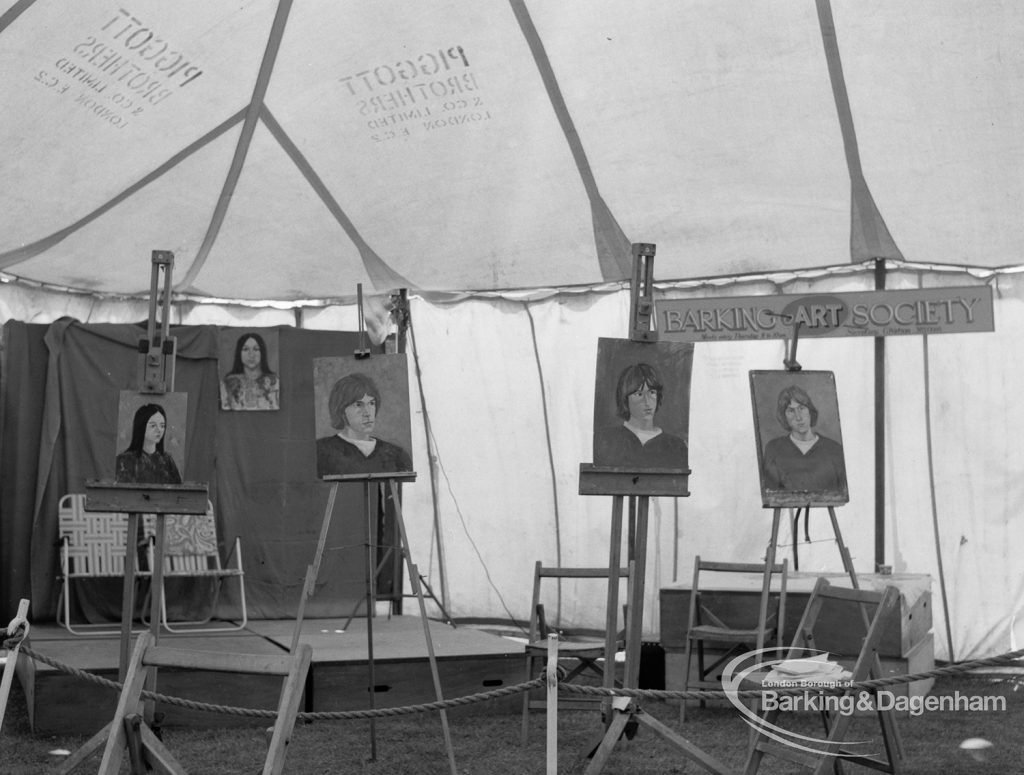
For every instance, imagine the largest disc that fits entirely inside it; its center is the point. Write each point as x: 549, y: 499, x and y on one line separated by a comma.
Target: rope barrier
x: 11, y: 640
x: 875, y: 683
x: 311, y: 716
x: 526, y: 686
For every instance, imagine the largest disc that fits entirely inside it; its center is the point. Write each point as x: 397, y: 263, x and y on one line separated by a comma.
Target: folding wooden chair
x: 92, y: 546
x: 191, y: 552
x: 584, y: 654
x: 848, y: 624
x: 733, y: 631
x: 128, y: 731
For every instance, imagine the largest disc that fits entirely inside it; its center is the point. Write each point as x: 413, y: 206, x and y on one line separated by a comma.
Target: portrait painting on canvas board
x: 249, y: 370
x: 642, y: 404
x: 150, y: 446
x: 799, y: 440
x: 362, y: 415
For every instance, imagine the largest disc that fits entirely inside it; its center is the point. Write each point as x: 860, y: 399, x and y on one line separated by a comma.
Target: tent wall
x: 505, y: 387
x: 509, y: 388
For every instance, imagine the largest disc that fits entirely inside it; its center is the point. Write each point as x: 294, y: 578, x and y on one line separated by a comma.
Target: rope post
x: 18, y: 628
x: 552, y: 705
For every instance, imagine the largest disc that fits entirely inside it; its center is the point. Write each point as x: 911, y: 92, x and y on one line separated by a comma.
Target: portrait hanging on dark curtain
x: 151, y: 437
x: 248, y: 366
x: 642, y: 404
x: 799, y: 440
x: 362, y: 415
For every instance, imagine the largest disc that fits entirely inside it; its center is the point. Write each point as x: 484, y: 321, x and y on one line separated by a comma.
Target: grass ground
x: 490, y: 745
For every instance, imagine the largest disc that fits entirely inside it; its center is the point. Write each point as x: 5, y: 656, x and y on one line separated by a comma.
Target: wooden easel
x: 129, y: 731
x: 389, y: 482
x: 136, y: 499
x: 780, y: 500
x: 624, y: 714
x: 156, y: 364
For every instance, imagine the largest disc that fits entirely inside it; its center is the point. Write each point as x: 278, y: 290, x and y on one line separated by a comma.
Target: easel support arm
x: 158, y: 350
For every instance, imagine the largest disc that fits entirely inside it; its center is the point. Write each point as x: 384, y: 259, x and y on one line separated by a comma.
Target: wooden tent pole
x: 879, y: 429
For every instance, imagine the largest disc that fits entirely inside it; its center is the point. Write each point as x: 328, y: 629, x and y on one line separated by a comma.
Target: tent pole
x: 879, y: 429
x: 931, y: 487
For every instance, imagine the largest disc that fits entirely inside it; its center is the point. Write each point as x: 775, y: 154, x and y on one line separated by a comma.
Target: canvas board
x: 248, y: 367
x: 642, y: 405
x: 362, y: 415
x: 800, y: 456
x: 160, y: 457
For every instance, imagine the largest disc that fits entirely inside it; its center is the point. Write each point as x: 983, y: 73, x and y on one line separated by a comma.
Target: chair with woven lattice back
x: 92, y: 546
x: 191, y: 551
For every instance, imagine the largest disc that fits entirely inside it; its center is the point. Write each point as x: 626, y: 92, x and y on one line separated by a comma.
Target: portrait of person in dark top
x: 802, y: 459
x: 638, y: 441
x: 251, y: 384
x: 145, y: 461
x: 353, y: 405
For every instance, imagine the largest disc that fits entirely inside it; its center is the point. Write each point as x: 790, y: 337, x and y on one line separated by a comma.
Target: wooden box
x: 740, y: 599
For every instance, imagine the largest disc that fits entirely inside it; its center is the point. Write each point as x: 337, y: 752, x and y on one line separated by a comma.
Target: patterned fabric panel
x: 190, y: 541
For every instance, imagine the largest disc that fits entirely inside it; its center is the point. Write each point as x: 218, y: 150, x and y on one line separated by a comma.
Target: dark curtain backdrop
x: 60, y: 386
x: 22, y: 383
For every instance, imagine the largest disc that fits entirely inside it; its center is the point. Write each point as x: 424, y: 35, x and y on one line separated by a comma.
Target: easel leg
x: 611, y: 636
x: 769, y: 560
x: 843, y: 551
x: 88, y: 748
x: 891, y: 733
x: 371, y: 606
x: 414, y: 580
x: 155, y: 609
x: 445, y: 616
x: 766, y: 585
x: 128, y: 593
x: 313, y: 569
x: 127, y: 704
x: 617, y: 725
x: 634, y: 630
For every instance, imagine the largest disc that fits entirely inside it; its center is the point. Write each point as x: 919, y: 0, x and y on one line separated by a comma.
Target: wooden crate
x: 741, y: 600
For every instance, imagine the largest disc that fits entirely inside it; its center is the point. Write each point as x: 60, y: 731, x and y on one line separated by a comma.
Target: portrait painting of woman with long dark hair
x: 250, y: 383
x: 150, y: 437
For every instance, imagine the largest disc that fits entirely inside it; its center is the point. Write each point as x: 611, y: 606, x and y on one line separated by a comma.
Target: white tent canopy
x: 289, y: 150
x: 503, y: 154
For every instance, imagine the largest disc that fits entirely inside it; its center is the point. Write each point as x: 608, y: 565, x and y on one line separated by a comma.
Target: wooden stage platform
x: 470, y: 661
